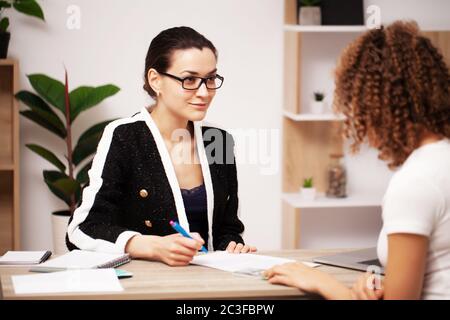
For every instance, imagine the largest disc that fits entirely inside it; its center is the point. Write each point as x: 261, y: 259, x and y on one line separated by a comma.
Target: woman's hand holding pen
x: 234, y: 247
x: 173, y: 250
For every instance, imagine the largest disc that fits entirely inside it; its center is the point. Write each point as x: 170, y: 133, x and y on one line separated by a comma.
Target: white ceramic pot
x: 308, y: 193
x: 310, y: 16
x: 59, y: 228
x: 317, y: 107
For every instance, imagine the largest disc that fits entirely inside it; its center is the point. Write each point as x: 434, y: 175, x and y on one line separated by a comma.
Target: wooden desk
x: 154, y: 280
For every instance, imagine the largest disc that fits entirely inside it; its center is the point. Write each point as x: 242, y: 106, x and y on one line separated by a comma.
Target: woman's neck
x: 429, y: 137
x: 167, y: 122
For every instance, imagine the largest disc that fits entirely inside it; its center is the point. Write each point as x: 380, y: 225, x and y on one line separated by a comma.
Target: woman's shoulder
x: 126, y: 125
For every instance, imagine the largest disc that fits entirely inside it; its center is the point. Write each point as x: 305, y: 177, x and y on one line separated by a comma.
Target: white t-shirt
x: 417, y: 201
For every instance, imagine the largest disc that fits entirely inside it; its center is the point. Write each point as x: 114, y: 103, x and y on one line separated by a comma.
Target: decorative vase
x: 4, y: 43
x: 310, y: 16
x: 308, y: 193
x: 59, y: 228
x: 317, y: 107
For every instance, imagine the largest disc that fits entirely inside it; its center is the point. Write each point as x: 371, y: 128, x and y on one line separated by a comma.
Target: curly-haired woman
x: 393, y: 87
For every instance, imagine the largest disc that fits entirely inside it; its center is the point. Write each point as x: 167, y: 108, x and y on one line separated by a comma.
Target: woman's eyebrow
x: 196, y: 73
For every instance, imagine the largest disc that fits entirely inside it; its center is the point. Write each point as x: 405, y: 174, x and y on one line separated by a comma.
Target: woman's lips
x: 199, y: 106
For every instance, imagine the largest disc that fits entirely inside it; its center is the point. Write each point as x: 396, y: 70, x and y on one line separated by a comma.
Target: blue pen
x: 180, y: 229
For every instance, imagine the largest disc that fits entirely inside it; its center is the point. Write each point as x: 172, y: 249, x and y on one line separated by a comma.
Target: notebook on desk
x: 81, y: 259
x: 12, y: 258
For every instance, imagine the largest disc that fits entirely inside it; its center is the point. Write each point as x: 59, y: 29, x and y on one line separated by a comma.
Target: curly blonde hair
x: 392, y: 85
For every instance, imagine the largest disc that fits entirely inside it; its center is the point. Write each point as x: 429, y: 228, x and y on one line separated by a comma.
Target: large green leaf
x: 88, y: 141
x: 82, y: 176
x: 67, y: 186
x: 29, y: 7
x: 47, y: 155
x: 84, y: 149
x: 4, y: 24
x: 50, y: 89
x: 50, y: 177
x: 5, y: 4
x: 45, y: 121
x: 62, y: 186
x: 95, y: 130
x: 40, y: 107
x: 33, y: 101
x: 83, y: 98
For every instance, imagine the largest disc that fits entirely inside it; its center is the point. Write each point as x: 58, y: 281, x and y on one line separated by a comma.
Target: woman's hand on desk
x: 234, y: 247
x: 297, y: 275
x: 173, y: 250
x: 368, y: 287
x: 315, y: 281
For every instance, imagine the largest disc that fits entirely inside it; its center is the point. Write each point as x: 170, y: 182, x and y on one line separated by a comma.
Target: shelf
x: 296, y: 201
x: 7, y: 62
x: 6, y: 166
x: 313, y: 117
x: 299, y: 28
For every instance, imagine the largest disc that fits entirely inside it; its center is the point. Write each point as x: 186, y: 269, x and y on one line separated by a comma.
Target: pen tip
x: 171, y: 223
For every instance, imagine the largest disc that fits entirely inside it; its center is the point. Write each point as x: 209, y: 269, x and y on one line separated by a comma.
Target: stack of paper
x: 251, y: 264
x: 95, y: 280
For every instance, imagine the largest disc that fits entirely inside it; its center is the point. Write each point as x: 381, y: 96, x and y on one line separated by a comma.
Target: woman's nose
x: 202, y: 90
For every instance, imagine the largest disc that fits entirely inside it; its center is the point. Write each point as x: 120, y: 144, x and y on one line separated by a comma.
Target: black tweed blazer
x: 133, y: 188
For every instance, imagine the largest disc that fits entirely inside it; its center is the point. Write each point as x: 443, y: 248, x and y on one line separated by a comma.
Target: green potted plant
x: 309, y: 12
x: 27, y: 7
x: 318, y: 104
x: 307, y: 191
x: 54, y: 108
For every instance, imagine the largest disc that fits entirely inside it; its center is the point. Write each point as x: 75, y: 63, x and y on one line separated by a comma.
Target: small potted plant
x: 309, y: 13
x: 318, y: 104
x: 308, y: 192
x: 28, y: 7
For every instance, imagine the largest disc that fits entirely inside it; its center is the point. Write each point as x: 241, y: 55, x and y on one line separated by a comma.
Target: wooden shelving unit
x: 9, y: 157
x: 309, y: 139
x: 352, y: 201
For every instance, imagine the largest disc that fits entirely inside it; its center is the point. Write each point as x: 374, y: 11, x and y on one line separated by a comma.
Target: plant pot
x: 318, y: 107
x: 308, y: 193
x: 310, y: 16
x: 4, y: 43
x: 59, y: 228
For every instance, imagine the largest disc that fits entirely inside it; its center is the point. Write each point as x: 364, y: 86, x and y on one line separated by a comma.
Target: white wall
x: 111, y: 46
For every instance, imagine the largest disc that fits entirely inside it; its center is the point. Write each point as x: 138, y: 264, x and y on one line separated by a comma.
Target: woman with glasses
x: 163, y: 165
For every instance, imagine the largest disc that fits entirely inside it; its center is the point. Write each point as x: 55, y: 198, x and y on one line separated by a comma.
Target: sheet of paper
x: 90, y: 280
x: 248, y: 263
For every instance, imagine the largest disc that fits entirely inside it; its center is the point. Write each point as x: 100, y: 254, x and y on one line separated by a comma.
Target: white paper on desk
x: 246, y: 263
x: 85, y: 280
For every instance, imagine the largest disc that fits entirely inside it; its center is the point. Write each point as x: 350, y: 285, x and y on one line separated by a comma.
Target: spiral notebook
x: 81, y: 259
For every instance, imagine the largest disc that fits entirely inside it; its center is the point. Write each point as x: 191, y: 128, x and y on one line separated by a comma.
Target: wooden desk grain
x: 155, y: 280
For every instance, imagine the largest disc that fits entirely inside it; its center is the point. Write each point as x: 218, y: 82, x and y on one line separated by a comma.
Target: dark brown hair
x: 165, y: 43
x: 392, y: 84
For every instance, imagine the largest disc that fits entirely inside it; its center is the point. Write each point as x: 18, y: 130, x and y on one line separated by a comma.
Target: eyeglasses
x: 193, y: 83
